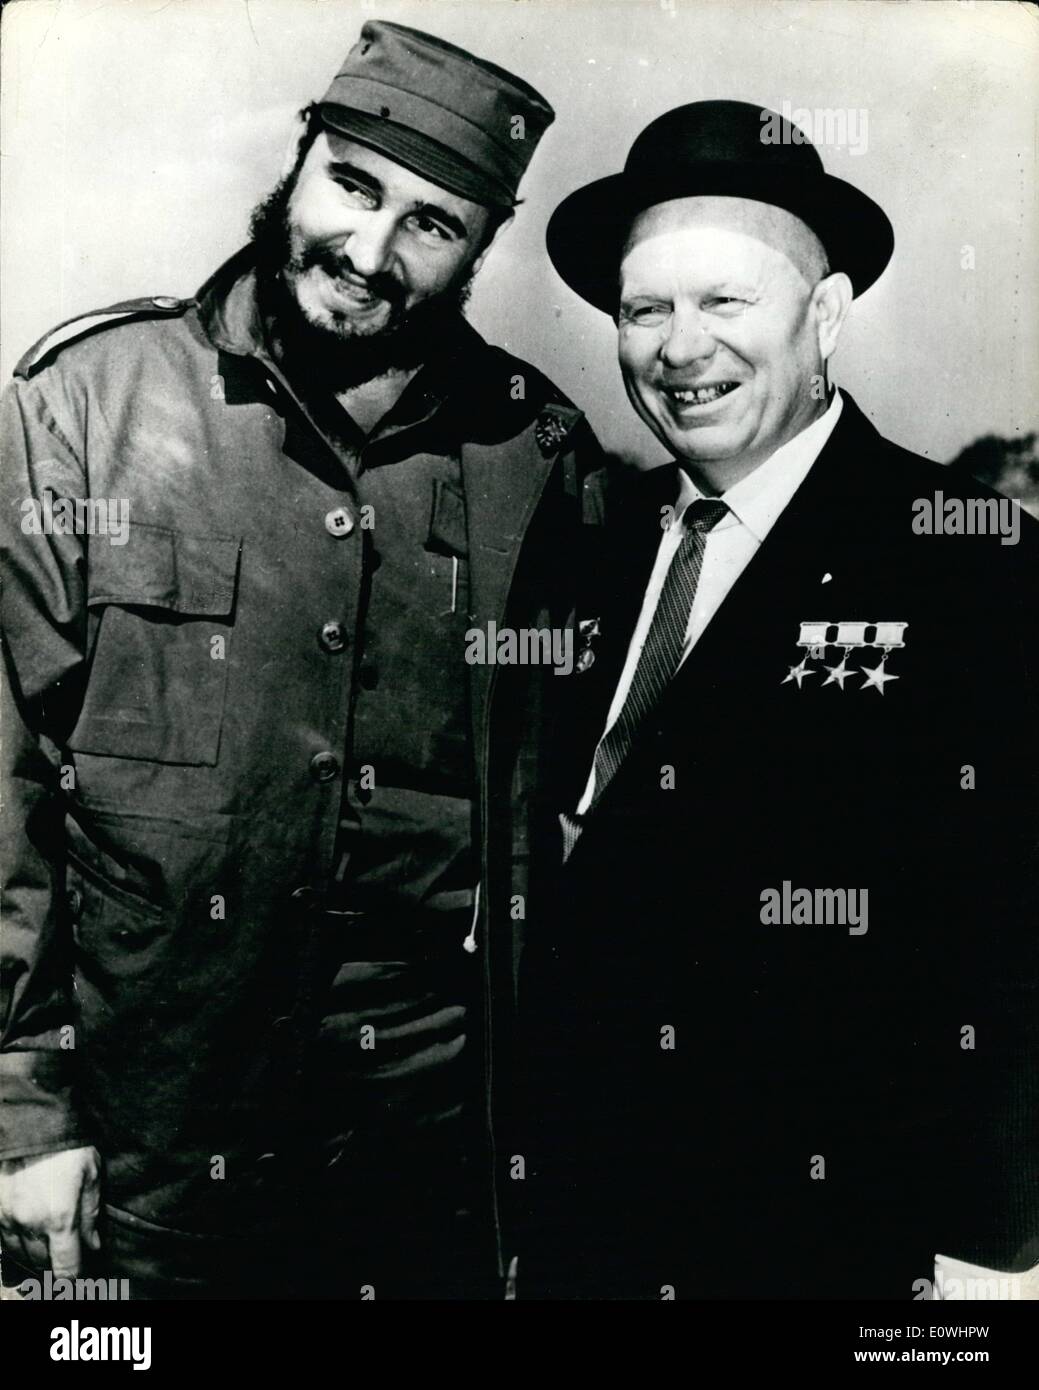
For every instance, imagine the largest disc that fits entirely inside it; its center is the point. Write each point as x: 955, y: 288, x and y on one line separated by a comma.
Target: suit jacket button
x: 74, y: 902
x: 339, y: 522
x: 324, y: 766
x: 332, y: 637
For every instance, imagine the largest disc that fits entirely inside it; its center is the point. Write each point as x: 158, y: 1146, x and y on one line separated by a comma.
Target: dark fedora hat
x: 725, y: 148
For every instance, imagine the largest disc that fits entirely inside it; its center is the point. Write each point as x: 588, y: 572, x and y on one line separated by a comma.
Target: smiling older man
x: 784, y: 1025
x: 727, y: 310
x: 261, y: 857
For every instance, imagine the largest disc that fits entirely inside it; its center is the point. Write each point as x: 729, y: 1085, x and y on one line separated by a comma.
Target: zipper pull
x: 470, y: 944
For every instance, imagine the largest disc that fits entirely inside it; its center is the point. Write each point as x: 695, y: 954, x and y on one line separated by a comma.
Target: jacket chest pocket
x: 162, y: 608
x: 447, y: 549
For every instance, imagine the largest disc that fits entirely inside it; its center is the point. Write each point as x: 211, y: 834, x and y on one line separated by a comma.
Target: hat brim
x: 587, y: 231
x: 420, y: 153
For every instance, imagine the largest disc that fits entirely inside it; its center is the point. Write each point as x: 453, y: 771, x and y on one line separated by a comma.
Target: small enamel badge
x: 588, y: 631
x: 847, y: 637
x: 551, y: 431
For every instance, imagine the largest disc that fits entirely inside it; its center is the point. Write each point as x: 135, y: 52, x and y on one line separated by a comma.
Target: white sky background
x: 137, y: 135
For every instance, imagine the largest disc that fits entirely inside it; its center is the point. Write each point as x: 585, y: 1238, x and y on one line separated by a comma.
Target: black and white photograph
x: 520, y: 531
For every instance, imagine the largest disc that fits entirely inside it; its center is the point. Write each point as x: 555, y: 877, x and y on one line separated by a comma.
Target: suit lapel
x: 612, y: 594
x: 503, y: 483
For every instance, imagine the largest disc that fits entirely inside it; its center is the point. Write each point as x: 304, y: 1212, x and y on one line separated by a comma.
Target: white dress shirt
x: 755, y: 504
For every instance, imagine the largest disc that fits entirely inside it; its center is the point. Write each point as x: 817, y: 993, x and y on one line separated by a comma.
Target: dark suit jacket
x: 823, y: 1123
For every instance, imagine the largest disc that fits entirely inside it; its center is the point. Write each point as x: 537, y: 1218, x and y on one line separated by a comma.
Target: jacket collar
x: 228, y: 308
x: 451, y: 386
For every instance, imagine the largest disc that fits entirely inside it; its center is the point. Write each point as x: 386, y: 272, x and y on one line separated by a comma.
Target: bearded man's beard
x: 334, y: 356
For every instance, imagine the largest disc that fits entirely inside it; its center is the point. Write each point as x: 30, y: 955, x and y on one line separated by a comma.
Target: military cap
x: 465, y: 124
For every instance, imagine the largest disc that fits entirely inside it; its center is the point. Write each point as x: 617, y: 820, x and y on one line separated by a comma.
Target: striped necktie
x: 660, y: 656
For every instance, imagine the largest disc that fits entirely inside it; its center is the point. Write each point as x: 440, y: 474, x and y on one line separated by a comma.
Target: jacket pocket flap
x: 447, y: 533
x: 162, y: 568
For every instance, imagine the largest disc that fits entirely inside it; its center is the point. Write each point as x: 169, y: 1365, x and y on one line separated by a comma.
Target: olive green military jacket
x: 174, y: 727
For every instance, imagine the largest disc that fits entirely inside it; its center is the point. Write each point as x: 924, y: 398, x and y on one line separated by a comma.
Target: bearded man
x: 264, y: 864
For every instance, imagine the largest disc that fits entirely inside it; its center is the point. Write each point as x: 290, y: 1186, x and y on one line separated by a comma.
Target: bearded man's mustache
x: 382, y: 285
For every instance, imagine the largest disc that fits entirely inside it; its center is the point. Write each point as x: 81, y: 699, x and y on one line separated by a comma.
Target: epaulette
x: 72, y: 330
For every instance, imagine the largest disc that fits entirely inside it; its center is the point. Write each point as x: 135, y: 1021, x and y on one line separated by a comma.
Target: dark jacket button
x: 74, y: 902
x: 332, y: 637
x: 324, y: 766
